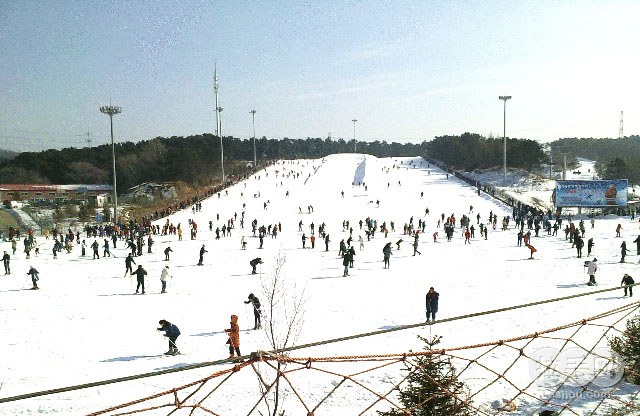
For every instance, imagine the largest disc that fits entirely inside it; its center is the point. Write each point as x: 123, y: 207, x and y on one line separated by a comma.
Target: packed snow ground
x: 85, y: 323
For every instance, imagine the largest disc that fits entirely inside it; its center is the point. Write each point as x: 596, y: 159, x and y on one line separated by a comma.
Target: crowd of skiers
x: 134, y: 235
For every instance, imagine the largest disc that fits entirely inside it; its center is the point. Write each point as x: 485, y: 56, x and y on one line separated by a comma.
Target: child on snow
x: 234, y: 337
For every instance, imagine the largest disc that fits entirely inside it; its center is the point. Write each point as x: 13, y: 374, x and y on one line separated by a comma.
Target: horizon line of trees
x: 196, y: 159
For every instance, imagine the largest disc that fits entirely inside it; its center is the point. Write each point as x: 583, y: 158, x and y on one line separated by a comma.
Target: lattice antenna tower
x: 215, y: 90
x: 621, y: 132
x: 88, y: 134
x: 218, y: 122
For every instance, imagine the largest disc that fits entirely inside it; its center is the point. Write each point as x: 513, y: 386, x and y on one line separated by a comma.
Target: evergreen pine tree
x: 433, y: 388
x: 627, y: 345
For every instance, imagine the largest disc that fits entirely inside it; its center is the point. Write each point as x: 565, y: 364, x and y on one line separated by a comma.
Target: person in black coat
x: 579, y: 242
x: 352, y: 254
x: 140, y: 273
x: 386, y: 252
x: 431, y: 304
x: 172, y: 332
x: 254, y: 263
x: 95, y: 246
x: 623, y: 251
x: 6, y: 260
x: 346, y: 259
x: 637, y: 241
x: 133, y: 247
x: 343, y: 248
x: 202, y: 251
x: 627, y: 282
x: 106, y: 251
x: 255, y: 302
x: 128, y: 262
x: 166, y: 253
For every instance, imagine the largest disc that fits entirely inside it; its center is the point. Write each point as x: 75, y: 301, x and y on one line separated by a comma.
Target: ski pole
x: 246, y: 319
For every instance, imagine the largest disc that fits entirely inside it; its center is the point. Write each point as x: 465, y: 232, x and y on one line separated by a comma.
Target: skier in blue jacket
x: 172, y: 332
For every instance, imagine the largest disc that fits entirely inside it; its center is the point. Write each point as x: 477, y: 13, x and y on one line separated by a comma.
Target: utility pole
x: 504, y: 139
x: 621, y: 132
x: 89, y: 138
x: 112, y: 111
x: 253, y: 120
x: 354, y: 135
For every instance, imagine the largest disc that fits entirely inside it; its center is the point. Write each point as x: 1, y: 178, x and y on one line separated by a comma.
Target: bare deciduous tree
x: 283, y: 312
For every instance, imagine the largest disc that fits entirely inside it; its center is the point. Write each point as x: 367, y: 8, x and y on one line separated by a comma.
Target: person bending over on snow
x: 172, y: 332
x: 34, y: 277
x: 254, y: 263
x: 532, y: 249
x: 431, y: 303
x: 234, y: 337
x: 627, y: 282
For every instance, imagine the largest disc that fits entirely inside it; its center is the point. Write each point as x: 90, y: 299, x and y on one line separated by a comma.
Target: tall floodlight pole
x: 112, y: 111
x: 218, y: 126
x: 504, y: 139
x: 221, y: 146
x: 253, y: 120
x: 354, y: 135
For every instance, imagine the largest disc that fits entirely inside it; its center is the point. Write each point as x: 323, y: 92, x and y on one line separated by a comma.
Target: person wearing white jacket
x: 592, y: 268
x: 163, y: 278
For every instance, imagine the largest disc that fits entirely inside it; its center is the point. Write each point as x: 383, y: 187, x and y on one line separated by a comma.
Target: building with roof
x: 53, y: 193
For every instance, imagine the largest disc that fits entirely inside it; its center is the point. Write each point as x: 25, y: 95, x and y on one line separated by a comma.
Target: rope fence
x: 488, y: 369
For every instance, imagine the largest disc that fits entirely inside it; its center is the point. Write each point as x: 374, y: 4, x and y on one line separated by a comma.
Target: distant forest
x: 7, y: 154
x: 615, y: 158
x: 196, y: 159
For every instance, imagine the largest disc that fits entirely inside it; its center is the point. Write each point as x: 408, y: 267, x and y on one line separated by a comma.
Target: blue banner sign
x: 599, y: 193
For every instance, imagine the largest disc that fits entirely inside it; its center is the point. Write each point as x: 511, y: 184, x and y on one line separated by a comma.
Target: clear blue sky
x: 407, y: 70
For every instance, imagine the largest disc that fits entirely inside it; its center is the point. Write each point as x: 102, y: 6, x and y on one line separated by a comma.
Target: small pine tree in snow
x: 433, y: 388
x: 627, y: 345
x: 629, y: 410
